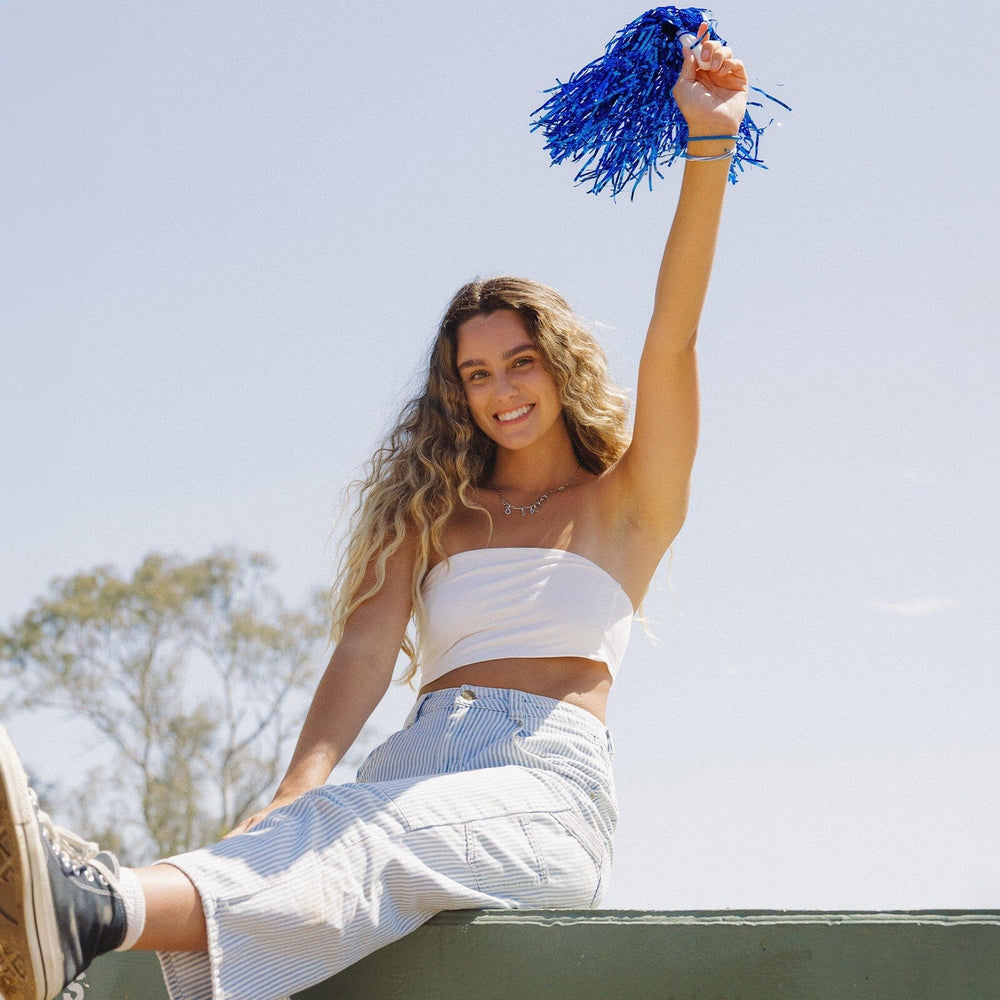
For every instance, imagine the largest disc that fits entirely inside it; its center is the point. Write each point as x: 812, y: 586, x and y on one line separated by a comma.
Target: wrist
x: 716, y: 151
x: 708, y: 144
x: 294, y: 785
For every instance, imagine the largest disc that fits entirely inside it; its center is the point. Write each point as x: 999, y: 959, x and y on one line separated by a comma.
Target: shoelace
x: 76, y: 855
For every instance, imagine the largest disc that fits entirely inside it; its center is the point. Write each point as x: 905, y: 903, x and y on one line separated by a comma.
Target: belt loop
x: 415, y: 711
x: 523, y: 702
x: 516, y: 703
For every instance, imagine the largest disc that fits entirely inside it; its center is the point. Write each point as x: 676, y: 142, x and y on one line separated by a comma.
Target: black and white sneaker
x: 59, y: 902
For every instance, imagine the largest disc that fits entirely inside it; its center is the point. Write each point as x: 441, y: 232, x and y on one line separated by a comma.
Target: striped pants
x: 486, y: 798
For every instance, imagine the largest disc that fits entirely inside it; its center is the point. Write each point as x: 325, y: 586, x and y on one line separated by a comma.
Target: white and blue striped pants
x: 486, y: 798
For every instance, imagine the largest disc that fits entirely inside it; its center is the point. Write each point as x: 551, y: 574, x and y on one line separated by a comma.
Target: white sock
x: 135, y: 907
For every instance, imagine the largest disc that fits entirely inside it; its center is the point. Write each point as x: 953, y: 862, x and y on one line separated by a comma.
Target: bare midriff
x: 577, y: 681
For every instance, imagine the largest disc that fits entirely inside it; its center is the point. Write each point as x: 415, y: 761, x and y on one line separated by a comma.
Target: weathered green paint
x: 602, y: 955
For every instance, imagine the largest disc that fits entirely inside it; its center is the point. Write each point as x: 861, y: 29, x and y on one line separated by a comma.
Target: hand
x: 711, y: 90
x: 251, y: 821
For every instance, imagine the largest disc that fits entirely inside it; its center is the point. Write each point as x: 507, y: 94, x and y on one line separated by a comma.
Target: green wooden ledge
x: 606, y: 954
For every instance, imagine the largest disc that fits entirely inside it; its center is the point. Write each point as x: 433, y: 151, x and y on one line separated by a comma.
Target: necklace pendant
x: 536, y: 506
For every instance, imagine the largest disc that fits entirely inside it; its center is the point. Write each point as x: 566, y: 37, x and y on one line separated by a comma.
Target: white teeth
x: 513, y: 414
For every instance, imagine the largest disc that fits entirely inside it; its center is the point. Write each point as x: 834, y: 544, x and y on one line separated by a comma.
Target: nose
x: 505, y: 386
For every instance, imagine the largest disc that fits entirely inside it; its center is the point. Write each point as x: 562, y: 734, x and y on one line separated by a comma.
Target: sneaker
x: 59, y: 902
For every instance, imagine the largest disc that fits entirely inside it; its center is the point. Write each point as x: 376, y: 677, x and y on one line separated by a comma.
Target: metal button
x: 468, y: 695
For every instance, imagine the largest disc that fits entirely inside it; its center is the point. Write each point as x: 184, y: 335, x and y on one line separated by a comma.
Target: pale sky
x: 229, y: 231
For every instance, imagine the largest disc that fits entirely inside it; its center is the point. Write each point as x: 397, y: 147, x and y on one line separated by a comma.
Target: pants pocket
x: 533, y: 860
x: 504, y: 855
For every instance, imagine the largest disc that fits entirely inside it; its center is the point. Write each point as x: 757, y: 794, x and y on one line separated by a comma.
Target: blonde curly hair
x: 436, y: 454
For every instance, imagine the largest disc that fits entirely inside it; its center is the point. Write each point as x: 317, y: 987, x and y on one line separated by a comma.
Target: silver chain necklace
x: 531, y: 508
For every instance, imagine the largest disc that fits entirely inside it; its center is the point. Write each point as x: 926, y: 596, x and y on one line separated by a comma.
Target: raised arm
x: 711, y: 93
x: 356, y: 678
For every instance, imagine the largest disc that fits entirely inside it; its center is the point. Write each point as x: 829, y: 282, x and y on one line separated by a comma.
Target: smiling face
x: 511, y: 393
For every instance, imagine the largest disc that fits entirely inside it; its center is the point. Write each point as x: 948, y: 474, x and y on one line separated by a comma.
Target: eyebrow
x: 507, y: 355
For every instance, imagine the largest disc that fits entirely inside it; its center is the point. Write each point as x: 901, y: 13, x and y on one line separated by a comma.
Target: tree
x: 193, y: 673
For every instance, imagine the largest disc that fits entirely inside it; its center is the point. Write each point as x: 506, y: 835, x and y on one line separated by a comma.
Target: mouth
x: 512, y: 416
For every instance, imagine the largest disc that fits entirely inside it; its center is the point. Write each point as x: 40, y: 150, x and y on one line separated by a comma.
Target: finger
x: 706, y: 44
x: 737, y: 70
x: 708, y: 53
x: 732, y: 75
x: 691, y: 44
x: 720, y: 57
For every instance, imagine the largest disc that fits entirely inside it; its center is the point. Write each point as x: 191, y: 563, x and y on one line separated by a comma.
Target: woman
x: 511, y: 518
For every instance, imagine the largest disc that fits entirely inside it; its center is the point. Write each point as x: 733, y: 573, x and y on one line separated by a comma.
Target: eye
x: 522, y: 362
x: 477, y: 376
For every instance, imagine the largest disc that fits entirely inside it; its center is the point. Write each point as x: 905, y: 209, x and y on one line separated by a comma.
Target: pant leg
x: 347, y: 869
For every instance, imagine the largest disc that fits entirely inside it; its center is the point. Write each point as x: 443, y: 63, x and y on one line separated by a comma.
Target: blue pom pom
x: 617, y: 114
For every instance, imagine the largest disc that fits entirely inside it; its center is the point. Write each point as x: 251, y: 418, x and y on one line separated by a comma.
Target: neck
x: 534, y: 470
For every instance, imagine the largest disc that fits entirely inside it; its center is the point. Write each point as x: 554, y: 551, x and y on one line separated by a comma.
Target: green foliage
x: 195, y: 676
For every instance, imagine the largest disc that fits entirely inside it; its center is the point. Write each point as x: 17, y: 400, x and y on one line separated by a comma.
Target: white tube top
x: 490, y: 604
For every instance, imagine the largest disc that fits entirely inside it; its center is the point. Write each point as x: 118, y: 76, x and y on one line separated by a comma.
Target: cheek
x: 475, y: 401
x: 470, y: 399
x: 546, y: 387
